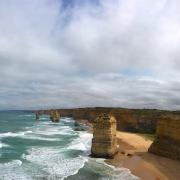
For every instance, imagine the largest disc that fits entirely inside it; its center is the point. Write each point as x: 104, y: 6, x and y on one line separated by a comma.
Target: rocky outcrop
x: 132, y: 120
x: 37, y: 116
x: 104, y: 142
x: 167, y: 142
x: 54, y: 116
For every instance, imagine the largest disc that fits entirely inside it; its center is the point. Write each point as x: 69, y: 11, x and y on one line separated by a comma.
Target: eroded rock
x: 54, y: 116
x: 167, y: 142
x: 104, y: 142
x: 37, y: 116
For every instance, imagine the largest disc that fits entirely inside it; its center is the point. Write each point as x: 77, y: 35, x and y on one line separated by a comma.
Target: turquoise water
x: 41, y: 150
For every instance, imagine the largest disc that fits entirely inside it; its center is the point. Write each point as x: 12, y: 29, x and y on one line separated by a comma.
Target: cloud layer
x: 56, y: 53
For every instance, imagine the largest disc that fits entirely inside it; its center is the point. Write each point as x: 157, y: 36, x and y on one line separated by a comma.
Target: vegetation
x: 147, y: 136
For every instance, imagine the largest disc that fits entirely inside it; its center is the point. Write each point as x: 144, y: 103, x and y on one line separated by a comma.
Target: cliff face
x: 104, y: 142
x: 54, y: 116
x: 167, y: 142
x: 137, y: 120
x: 133, y: 120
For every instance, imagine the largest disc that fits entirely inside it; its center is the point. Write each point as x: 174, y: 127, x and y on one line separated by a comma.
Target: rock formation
x: 132, y: 120
x: 167, y: 142
x: 104, y: 142
x: 37, y: 116
x: 54, y: 116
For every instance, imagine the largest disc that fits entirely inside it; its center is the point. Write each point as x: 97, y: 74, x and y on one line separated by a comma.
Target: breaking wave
x: 83, y: 142
x: 54, y: 163
x: 3, y: 145
x: 12, y: 171
x: 12, y: 134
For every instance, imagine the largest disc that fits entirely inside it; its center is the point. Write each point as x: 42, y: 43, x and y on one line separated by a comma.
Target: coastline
x: 133, y: 155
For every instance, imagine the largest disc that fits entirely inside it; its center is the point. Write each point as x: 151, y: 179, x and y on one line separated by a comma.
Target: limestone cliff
x: 54, y: 116
x: 133, y: 120
x: 104, y: 142
x: 167, y: 142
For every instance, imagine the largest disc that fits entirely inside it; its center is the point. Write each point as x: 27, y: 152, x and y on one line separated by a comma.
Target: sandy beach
x: 134, y: 156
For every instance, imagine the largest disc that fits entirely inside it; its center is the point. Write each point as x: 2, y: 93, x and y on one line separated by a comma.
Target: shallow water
x: 41, y: 150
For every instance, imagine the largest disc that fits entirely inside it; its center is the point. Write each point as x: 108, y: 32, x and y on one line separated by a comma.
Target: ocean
x: 42, y: 150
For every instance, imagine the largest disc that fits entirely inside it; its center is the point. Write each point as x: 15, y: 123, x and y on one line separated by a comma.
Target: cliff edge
x: 167, y: 142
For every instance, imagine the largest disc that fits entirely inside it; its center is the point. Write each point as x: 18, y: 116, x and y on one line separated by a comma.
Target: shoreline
x: 133, y: 154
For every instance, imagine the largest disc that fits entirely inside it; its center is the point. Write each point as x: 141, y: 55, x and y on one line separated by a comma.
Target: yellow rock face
x: 54, y: 116
x: 104, y: 142
x: 167, y: 142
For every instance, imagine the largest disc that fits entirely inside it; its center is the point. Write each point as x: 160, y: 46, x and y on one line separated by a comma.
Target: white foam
x: 28, y: 115
x: 53, y: 162
x: 13, y: 170
x: 3, y: 145
x: 110, y: 172
x: 43, y: 118
x: 35, y: 137
x: 67, y: 119
x: 83, y: 142
x: 53, y: 130
x: 13, y: 163
x: 12, y: 134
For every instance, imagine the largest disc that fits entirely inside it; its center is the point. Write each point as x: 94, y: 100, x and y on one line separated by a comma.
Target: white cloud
x: 78, y: 55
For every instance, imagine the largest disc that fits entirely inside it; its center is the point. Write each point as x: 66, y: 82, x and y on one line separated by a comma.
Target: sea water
x: 42, y: 150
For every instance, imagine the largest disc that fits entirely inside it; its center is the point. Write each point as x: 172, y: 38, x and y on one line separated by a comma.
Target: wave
x: 83, y: 142
x: 51, y: 130
x: 4, y: 121
x: 31, y: 137
x: 43, y: 118
x: 98, y: 166
x: 54, y: 162
x: 13, y: 170
x: 67, y: 119
x: 13, y: 134
x: 3, y: 145
x: 27, y: 115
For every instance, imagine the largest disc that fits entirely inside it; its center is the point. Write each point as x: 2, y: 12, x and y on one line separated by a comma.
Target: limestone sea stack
x: 167, y: 142
x: 37, y: 116
x: 54, y: 116
x: 104, y: 142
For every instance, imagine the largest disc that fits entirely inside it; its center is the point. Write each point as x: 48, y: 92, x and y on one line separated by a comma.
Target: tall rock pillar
x: 104, y: 142
x: 54, y: 116
x: 37, y: 116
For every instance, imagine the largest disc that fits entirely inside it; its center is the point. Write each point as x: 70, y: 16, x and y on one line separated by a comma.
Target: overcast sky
x: 77, y: 53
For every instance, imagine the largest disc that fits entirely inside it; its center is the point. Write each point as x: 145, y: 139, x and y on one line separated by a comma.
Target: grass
x: 147, y: 136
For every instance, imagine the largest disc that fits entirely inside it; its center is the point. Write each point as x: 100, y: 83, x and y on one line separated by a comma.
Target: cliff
x: 133, y: 120
x: 167, y: 142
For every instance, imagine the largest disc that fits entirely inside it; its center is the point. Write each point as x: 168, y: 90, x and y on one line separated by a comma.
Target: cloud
x: 56, y: 53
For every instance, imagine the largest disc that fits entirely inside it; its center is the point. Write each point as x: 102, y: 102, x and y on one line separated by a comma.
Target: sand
x: 134, y: 156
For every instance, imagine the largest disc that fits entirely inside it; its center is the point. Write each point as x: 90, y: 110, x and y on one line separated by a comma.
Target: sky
x: 86, y: 53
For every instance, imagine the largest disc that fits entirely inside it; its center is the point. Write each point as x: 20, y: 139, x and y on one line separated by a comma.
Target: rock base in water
x: 104, y: 142
x: 37, y: 116
x: 54, y: 116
